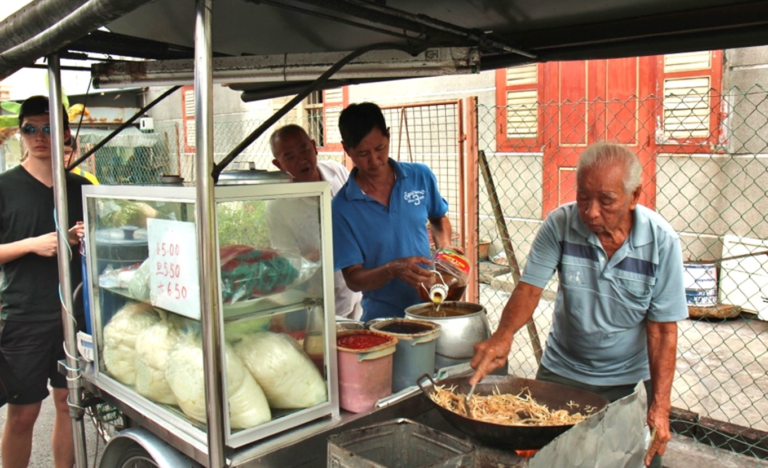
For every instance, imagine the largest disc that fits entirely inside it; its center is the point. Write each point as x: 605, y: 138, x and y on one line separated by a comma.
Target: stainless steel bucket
x: 462, y: 324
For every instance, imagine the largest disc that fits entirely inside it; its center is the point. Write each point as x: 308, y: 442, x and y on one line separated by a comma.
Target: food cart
x: 186, y: 288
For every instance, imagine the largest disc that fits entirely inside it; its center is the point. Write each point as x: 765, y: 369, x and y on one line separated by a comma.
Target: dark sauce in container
x: 406, y: 328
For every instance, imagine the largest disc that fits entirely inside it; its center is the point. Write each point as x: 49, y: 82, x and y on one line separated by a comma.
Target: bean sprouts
x: 508, y: 409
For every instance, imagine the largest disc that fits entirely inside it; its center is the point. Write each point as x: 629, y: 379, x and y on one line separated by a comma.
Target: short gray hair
x: 290, y: 129
x: 605, y: 154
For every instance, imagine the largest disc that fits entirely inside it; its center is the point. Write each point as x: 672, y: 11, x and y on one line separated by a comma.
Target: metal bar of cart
x: 306, y: 305
x: 119, y: 129
x: 65, y: 281
x: 213, y: 347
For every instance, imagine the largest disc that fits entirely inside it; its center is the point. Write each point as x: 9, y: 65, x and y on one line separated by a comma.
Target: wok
x: 554, y: 396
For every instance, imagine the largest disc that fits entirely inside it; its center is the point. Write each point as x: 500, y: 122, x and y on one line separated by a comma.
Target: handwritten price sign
x: 173, y: 261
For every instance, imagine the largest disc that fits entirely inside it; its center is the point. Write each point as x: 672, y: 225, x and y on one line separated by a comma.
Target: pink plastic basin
x: 365, y: 375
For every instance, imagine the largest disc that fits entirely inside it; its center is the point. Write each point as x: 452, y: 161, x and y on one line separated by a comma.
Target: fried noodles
x: 507, y: 409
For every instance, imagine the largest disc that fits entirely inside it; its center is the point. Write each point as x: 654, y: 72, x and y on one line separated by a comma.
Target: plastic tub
x: 700, y: 280
x: 415, y: 351
x: 365, y: 368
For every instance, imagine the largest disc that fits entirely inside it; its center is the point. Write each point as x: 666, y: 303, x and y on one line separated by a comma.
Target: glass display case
x: 276, y: 305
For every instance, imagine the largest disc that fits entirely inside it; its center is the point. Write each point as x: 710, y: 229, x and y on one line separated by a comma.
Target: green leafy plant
x: 243, y: 222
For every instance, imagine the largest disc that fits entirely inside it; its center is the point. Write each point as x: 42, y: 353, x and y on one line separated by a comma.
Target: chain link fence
x: 705, y: 163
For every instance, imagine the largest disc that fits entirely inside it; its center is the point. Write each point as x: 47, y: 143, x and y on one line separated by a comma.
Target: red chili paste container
x: 365, y: 368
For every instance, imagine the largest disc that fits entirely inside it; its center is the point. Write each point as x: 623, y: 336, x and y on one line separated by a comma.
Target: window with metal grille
x: 689, y: 84
x: 522, y: 114
x: 322, y: 110
x: 315, y: 124
x: 334, y: 104
x: 517, y: 98
x: 686, y: 108
x: 188, y: 117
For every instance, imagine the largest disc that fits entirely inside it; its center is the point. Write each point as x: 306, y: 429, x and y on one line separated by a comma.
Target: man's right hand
x: 45, y: 245
x: 489, y: 356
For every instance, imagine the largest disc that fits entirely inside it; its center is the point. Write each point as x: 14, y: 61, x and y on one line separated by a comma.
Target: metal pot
x: 462, y: 324
x: 123, y: 246
x: 555, y: 397
x: 252, y: 177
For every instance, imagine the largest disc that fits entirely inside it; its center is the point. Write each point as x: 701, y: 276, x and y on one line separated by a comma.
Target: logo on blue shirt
x: 414, y: 196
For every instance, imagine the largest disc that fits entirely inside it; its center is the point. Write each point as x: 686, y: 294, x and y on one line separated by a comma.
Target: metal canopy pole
x: 213, y: 346
x: 65, y: 281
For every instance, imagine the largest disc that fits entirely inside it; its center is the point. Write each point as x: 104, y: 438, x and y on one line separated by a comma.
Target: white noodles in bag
x: 153, y: 345
x: 247, y: 405
x: 120, y: 339
x: 288, y: 377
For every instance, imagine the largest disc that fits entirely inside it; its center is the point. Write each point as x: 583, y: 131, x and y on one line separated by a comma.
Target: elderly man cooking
x: 380, y: 240
x: 621, y: 292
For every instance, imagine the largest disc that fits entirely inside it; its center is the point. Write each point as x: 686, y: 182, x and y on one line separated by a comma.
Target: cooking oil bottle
x: 450, y: 273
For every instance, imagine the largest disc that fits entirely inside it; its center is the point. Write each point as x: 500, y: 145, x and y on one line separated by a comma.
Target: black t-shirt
x: 30, y: 287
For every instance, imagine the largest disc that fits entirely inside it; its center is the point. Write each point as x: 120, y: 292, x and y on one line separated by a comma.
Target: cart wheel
x: 135, y: 456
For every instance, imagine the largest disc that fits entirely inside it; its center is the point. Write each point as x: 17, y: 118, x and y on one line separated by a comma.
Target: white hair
x: 605, y: 154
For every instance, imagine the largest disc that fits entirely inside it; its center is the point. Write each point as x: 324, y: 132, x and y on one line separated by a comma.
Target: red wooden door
x: 589, y: 101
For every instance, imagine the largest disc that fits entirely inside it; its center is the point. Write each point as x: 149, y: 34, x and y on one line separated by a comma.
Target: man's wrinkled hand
x: 490, y: 355
x: 658, y: 418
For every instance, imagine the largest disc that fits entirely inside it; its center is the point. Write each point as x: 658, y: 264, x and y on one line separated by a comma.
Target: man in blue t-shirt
x: 621, y: 292
x: 380, y: 217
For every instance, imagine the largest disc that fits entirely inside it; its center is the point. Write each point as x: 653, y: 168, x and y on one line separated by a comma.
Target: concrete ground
x: 684, y: 452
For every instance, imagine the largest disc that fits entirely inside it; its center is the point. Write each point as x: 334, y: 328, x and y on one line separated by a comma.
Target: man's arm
x: 662, y: 353
x: 44, y: 246
x: 492, y: 353
x: 406, y: 268
x: 441, y: 231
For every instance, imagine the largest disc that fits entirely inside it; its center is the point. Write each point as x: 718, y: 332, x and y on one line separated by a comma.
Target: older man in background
x: 621, y: 292
x: 294, y: 224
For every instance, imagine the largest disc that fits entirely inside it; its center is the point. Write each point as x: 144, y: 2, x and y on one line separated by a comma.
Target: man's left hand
x: 76, y: 233
x: 658, y: 418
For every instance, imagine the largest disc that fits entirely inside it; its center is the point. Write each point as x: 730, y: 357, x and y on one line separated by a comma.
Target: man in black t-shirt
x: 31, y: 330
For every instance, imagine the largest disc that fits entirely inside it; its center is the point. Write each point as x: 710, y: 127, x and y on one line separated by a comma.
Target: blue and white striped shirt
x: 598, y: 334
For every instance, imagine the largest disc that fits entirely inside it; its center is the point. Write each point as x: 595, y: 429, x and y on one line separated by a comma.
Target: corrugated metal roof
x: 547, y: 29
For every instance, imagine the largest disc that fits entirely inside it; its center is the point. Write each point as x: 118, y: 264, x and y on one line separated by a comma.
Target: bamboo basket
x: 720, y: 311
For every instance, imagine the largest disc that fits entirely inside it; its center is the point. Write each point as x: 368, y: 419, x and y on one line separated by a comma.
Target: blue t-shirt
x: 367, y: 233
x: 598, y: 332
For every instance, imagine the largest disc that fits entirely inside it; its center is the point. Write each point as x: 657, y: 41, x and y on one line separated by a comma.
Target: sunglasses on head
x: 32, y: 130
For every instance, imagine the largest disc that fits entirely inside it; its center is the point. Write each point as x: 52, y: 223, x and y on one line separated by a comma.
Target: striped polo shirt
x: 598, y: 334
